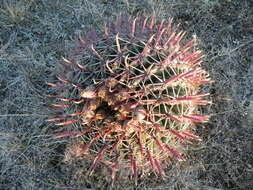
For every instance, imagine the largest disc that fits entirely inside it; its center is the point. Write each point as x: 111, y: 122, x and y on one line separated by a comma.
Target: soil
x: 35, y: 34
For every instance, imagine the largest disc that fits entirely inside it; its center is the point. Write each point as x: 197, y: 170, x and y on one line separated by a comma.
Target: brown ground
x: 34, y: 34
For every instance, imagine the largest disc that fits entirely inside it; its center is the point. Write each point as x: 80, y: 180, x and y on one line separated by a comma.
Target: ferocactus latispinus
x: 132, y: 95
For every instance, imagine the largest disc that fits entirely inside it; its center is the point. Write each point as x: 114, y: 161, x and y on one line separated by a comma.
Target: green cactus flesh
x: 132, y: 95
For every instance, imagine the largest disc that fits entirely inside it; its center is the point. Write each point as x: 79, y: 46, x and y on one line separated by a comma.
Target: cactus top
x: 131, y: 95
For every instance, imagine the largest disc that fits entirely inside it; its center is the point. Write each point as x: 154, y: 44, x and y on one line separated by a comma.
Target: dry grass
x: 35, y: 33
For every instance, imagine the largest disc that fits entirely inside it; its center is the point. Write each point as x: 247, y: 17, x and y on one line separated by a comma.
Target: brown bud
x: 88, y: 94
x: 111, y: 82
x: 139, y: 113
x: 102, y: 91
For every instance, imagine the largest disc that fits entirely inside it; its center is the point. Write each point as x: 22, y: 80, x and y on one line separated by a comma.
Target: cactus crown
x: 132, y: 95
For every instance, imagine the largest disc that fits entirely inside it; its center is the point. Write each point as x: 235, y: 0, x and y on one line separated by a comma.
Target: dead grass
x: 35, y: 33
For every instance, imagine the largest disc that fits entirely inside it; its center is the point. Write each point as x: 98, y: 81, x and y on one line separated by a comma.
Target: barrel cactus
x: 132, y: 96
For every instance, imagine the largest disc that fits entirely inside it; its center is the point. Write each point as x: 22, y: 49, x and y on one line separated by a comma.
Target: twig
x: 240, y: 46
x: 21, y: 115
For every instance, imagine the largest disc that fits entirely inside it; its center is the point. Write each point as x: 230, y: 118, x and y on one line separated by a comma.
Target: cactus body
x: 132, y: 95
